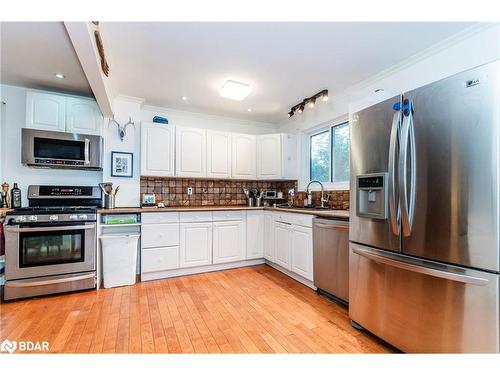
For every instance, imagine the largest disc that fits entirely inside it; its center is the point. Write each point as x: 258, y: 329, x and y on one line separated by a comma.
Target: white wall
x: 123, y: 108
x: 13, y: 119
x: 475, y: 46
x: 200, y: 120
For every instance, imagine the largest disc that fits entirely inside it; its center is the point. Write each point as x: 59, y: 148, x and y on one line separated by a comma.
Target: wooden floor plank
x: 246, y: 310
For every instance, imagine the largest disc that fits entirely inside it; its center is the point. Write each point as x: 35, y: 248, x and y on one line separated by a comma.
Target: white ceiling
x: 32, y: 52
x: 283, y: 62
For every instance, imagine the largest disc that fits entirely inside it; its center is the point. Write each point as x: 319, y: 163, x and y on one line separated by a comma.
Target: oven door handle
x: 29, y: 284
x: 49, y: 229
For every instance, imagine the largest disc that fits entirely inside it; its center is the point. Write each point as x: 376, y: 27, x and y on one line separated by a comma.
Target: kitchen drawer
x: 159, y: 235
x: 159, y: 259
x: 160, y: 217
x: 229, y: 215
x: 297, y: 219
x: 195, y: 216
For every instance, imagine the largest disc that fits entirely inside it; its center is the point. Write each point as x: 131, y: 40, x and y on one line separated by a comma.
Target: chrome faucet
x: 323, y: 199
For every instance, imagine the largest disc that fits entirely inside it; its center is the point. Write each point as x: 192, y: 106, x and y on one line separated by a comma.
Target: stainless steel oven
x: 49, y: 258
x: 49, y: 149
x: 50, y: 247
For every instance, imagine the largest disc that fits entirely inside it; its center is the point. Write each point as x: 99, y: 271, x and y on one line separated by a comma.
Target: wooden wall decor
x: 100, y: 49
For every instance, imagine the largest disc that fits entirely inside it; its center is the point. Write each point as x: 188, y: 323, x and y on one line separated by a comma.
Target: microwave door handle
x: 87, y: 151
x: 394, y: 210
x: 48, y: 229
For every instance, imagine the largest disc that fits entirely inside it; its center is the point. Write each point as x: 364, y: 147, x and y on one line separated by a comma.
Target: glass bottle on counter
x: 15, y: 196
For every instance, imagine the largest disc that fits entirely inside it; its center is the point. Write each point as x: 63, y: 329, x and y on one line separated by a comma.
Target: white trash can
x: 119, y: 258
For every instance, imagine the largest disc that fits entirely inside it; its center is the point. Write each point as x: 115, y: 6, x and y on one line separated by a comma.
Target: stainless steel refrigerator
x: 424, y: 228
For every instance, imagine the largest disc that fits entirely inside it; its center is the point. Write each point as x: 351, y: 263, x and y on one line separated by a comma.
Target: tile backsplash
x: 207, y: 192
x: 172, y: 191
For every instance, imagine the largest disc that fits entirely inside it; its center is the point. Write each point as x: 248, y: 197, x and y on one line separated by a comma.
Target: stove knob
x: 53, y: 217
x: 20, y: 218
x: 33, y: 218
x: 83, y: 217
x: 73, y: 217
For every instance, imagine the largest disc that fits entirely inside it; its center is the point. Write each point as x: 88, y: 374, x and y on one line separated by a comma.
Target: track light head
x: 324, y: 95
x: 291, y: 113
x: 301, y: 108
x: 310, y: 102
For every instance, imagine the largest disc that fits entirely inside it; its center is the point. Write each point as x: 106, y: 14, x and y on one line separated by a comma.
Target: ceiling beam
x: 82, y: 37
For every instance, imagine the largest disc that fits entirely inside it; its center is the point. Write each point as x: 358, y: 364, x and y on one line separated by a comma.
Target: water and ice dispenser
x: 371, y: 195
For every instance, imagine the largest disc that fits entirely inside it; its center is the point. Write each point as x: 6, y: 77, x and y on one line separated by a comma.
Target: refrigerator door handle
x: 413, y: 266
x: 405, y: 194
x: 394, y: 211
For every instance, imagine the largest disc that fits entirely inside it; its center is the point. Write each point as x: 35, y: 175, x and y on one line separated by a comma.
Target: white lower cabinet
x: 195, y: 244
x: 268, y: 236
x: 159, y: 259
x: 301, y: 251
x: 293, y: 244
x: 282, y: 244
x: 255, y: 234
x: 228, y: 241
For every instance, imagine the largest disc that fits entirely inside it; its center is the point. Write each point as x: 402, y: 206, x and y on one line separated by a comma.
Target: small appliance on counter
x: 50, y: 246
x: 148, y: 200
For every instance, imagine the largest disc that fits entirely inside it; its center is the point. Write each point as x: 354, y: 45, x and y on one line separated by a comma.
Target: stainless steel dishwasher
x: 331, y: 258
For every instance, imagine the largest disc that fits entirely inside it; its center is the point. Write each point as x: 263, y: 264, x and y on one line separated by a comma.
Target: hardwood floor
x: 246, y: 310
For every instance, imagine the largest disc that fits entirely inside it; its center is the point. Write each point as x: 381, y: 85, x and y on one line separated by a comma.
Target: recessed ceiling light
x: 184, y: 98
x: 235, y: 90
x: 249, y: 109
x: 60, y: 75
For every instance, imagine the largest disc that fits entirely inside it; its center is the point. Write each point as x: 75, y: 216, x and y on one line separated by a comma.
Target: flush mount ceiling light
x: 235, y: 90
x: 309, y: 102
x: 60, y: 75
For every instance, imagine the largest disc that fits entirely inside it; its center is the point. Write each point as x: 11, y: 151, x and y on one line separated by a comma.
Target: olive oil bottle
x: 15, y: 196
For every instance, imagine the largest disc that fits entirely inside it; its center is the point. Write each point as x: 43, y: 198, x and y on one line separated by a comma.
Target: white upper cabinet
x: 243, y: 158
x: 289, y: 156
x: 157, y: 149
x: 276, y: 156
x: 218, y: 154
x: 229, y: 241
x: 83, y: 116
x: 255, y: 234
x: 269, y: 156
x: 48, y: 111
x: 45, y: 111
x: 190, y: 152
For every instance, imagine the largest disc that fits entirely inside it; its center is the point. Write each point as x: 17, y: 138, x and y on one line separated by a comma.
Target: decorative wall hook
x: 121, y: 128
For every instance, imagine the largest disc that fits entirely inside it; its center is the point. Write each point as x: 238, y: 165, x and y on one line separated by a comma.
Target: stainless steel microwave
x: 48, y: 149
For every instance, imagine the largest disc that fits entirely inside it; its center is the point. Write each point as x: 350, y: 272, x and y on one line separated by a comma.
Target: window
x: 329, y: 154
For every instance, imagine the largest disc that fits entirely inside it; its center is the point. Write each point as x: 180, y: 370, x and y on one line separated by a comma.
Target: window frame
x: 339, y: 185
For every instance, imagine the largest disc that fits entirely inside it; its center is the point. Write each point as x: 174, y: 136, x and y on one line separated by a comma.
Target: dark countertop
x: 340, y: 214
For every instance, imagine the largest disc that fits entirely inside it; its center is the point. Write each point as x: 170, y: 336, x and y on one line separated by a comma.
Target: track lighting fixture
x: 309, y: 102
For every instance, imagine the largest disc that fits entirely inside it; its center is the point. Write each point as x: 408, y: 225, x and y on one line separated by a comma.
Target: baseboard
x: 299, y: 278
x: 194, y: 270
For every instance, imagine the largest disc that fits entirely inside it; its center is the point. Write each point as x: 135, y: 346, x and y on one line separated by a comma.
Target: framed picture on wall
x: 122, y: 164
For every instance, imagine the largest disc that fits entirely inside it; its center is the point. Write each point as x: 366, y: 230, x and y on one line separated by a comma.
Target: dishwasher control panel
x: 371, y: 195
